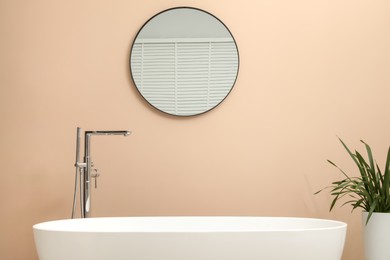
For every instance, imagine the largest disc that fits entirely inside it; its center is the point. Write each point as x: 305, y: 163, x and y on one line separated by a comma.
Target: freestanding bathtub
x: 190, y: 238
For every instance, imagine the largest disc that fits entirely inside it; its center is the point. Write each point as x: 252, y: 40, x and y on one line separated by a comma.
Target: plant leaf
x: 386, y: 179
x: 338, y: 169
x: 372, y: 209
x: 370, y: 157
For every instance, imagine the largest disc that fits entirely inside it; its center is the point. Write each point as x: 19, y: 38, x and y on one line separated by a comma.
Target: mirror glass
x: 184, y: 61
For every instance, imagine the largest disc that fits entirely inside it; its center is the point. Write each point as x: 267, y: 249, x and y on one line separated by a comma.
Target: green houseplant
x: 369, y: 191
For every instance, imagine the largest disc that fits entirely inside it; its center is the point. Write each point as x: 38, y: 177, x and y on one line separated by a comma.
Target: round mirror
x: 184, y: 61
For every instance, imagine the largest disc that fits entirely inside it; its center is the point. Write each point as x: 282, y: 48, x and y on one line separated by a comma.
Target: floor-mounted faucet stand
x: 84, y: 170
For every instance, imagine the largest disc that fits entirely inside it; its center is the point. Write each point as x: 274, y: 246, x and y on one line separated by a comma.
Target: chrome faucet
x: 84, y: 170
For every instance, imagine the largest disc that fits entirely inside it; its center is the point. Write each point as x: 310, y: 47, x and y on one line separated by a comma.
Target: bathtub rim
x: 329, y: 224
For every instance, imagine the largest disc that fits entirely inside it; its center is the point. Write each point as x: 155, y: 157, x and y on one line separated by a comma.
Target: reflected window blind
x: 184, y: 76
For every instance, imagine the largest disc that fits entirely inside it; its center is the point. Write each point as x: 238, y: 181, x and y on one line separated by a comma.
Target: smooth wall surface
x: 309, y: 70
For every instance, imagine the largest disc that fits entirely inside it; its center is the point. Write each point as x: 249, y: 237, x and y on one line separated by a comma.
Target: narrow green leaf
x: 338, y: 169
x: 386, y: 179
x: 372, y: 209
x: 357, y: 204
x: 368, y: 179
x: 349, y: 152
x: 370, y: 156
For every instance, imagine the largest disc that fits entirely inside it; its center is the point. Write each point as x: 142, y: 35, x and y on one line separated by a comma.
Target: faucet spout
x: 123, y: 132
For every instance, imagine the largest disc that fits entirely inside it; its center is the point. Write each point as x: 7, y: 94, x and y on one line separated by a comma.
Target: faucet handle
x: 95, y: 175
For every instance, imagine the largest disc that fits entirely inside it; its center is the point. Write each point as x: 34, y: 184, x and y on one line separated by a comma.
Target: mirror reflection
x: 184, y: 61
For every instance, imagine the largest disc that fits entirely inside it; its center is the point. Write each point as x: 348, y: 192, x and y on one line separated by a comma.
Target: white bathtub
x: 190, y: 238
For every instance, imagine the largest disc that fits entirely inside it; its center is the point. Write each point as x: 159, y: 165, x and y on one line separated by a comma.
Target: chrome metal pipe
x: 78, y: 137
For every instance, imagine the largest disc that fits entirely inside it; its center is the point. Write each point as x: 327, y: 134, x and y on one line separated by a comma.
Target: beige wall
x: 309, y: 70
